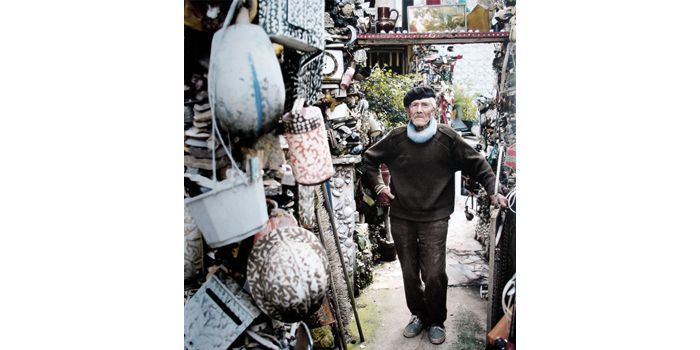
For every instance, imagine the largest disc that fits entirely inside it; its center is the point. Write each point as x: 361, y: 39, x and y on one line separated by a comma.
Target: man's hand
x: 499, y: 200
x: 384, y: 197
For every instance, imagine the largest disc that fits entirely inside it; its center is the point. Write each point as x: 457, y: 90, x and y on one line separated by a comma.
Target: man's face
x: 420, y: 112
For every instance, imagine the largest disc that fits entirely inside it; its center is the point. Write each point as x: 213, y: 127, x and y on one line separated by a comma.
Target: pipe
x: 387, y: 227
x: 498, y: 168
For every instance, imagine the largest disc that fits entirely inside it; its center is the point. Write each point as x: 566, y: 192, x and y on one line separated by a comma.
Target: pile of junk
x: 279, y: 234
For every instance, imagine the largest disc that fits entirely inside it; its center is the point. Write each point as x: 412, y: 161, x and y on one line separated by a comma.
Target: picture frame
x: 437, y: 18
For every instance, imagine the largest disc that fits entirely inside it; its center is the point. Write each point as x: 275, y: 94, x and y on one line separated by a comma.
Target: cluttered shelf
x: 400, y: 39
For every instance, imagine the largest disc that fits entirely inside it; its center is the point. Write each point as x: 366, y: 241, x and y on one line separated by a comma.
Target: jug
x: 384, y: 21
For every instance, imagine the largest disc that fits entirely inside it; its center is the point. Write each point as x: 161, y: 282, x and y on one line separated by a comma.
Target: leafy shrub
x: 464, y: 102
x: 384, y: 90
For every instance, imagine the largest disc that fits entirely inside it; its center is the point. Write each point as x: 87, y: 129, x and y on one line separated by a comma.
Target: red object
x: 383, y: 200
x: 278, y: 218
x: 347, y: 78
x: 510, y: 157
x: 431, y: 35
x: 443, y: 109
x: 500, y: 330
x: 309, y: 153
x: 432, y: 2
x: 386, y: 176
x: 384, y: 13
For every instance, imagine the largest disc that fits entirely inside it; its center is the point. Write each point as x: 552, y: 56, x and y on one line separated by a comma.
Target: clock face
x: 332, y: 65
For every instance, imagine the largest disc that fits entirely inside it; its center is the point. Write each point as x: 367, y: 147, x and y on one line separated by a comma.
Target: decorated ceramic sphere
x: 288, y: 274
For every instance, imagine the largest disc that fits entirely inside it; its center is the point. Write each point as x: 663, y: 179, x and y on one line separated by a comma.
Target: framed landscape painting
x: 438, y: 18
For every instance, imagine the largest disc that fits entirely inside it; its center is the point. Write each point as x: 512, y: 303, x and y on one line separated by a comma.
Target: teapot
x: 384, y: 20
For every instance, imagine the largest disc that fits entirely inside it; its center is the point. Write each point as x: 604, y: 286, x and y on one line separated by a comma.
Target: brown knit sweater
x: 422, y: 174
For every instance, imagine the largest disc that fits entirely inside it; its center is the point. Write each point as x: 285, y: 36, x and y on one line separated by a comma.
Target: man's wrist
x: 379, y: 188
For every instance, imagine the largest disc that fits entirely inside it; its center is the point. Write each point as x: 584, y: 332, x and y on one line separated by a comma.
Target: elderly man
x: 422, y: 158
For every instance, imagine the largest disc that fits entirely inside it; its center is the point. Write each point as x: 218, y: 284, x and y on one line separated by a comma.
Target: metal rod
x: 498, y: 169
x: 387, y: 227
x: 492, y: 268
x: 504, y: 68
x: 335, y: 295
x: 351, y: 294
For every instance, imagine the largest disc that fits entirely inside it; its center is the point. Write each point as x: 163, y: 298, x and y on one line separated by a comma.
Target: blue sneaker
x: 413, y: 328
x: 436, y: 334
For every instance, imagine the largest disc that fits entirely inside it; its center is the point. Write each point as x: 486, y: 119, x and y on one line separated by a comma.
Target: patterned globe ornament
x: 288, y: 274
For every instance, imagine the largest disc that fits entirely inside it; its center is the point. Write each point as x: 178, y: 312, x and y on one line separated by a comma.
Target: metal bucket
x: 233, y: 211
x: 235, y: 208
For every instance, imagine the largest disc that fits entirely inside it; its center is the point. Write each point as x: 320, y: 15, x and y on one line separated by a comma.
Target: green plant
x: 384, y: 90
x: 464, y: 103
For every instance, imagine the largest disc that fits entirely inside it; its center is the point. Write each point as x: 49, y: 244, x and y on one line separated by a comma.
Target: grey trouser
x: 421, y: 250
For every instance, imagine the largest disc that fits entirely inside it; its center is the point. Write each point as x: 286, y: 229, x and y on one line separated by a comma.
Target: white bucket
x: 235, y: 208
x: 231, y: 212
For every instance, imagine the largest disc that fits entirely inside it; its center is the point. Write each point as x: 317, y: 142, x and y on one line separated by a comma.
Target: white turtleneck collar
x: 423, y: 135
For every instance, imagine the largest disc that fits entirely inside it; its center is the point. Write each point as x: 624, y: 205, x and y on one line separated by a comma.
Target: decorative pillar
x: 344, y: 209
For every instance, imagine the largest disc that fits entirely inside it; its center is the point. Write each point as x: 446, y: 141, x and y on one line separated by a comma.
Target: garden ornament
x: 309, y: 153
x: 288, y: 274
x: 246, y: 89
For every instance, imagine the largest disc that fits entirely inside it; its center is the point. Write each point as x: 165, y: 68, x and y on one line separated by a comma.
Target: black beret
x: 417, y: 93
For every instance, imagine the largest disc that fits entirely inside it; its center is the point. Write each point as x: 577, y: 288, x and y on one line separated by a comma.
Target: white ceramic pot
x: 246, y: 89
